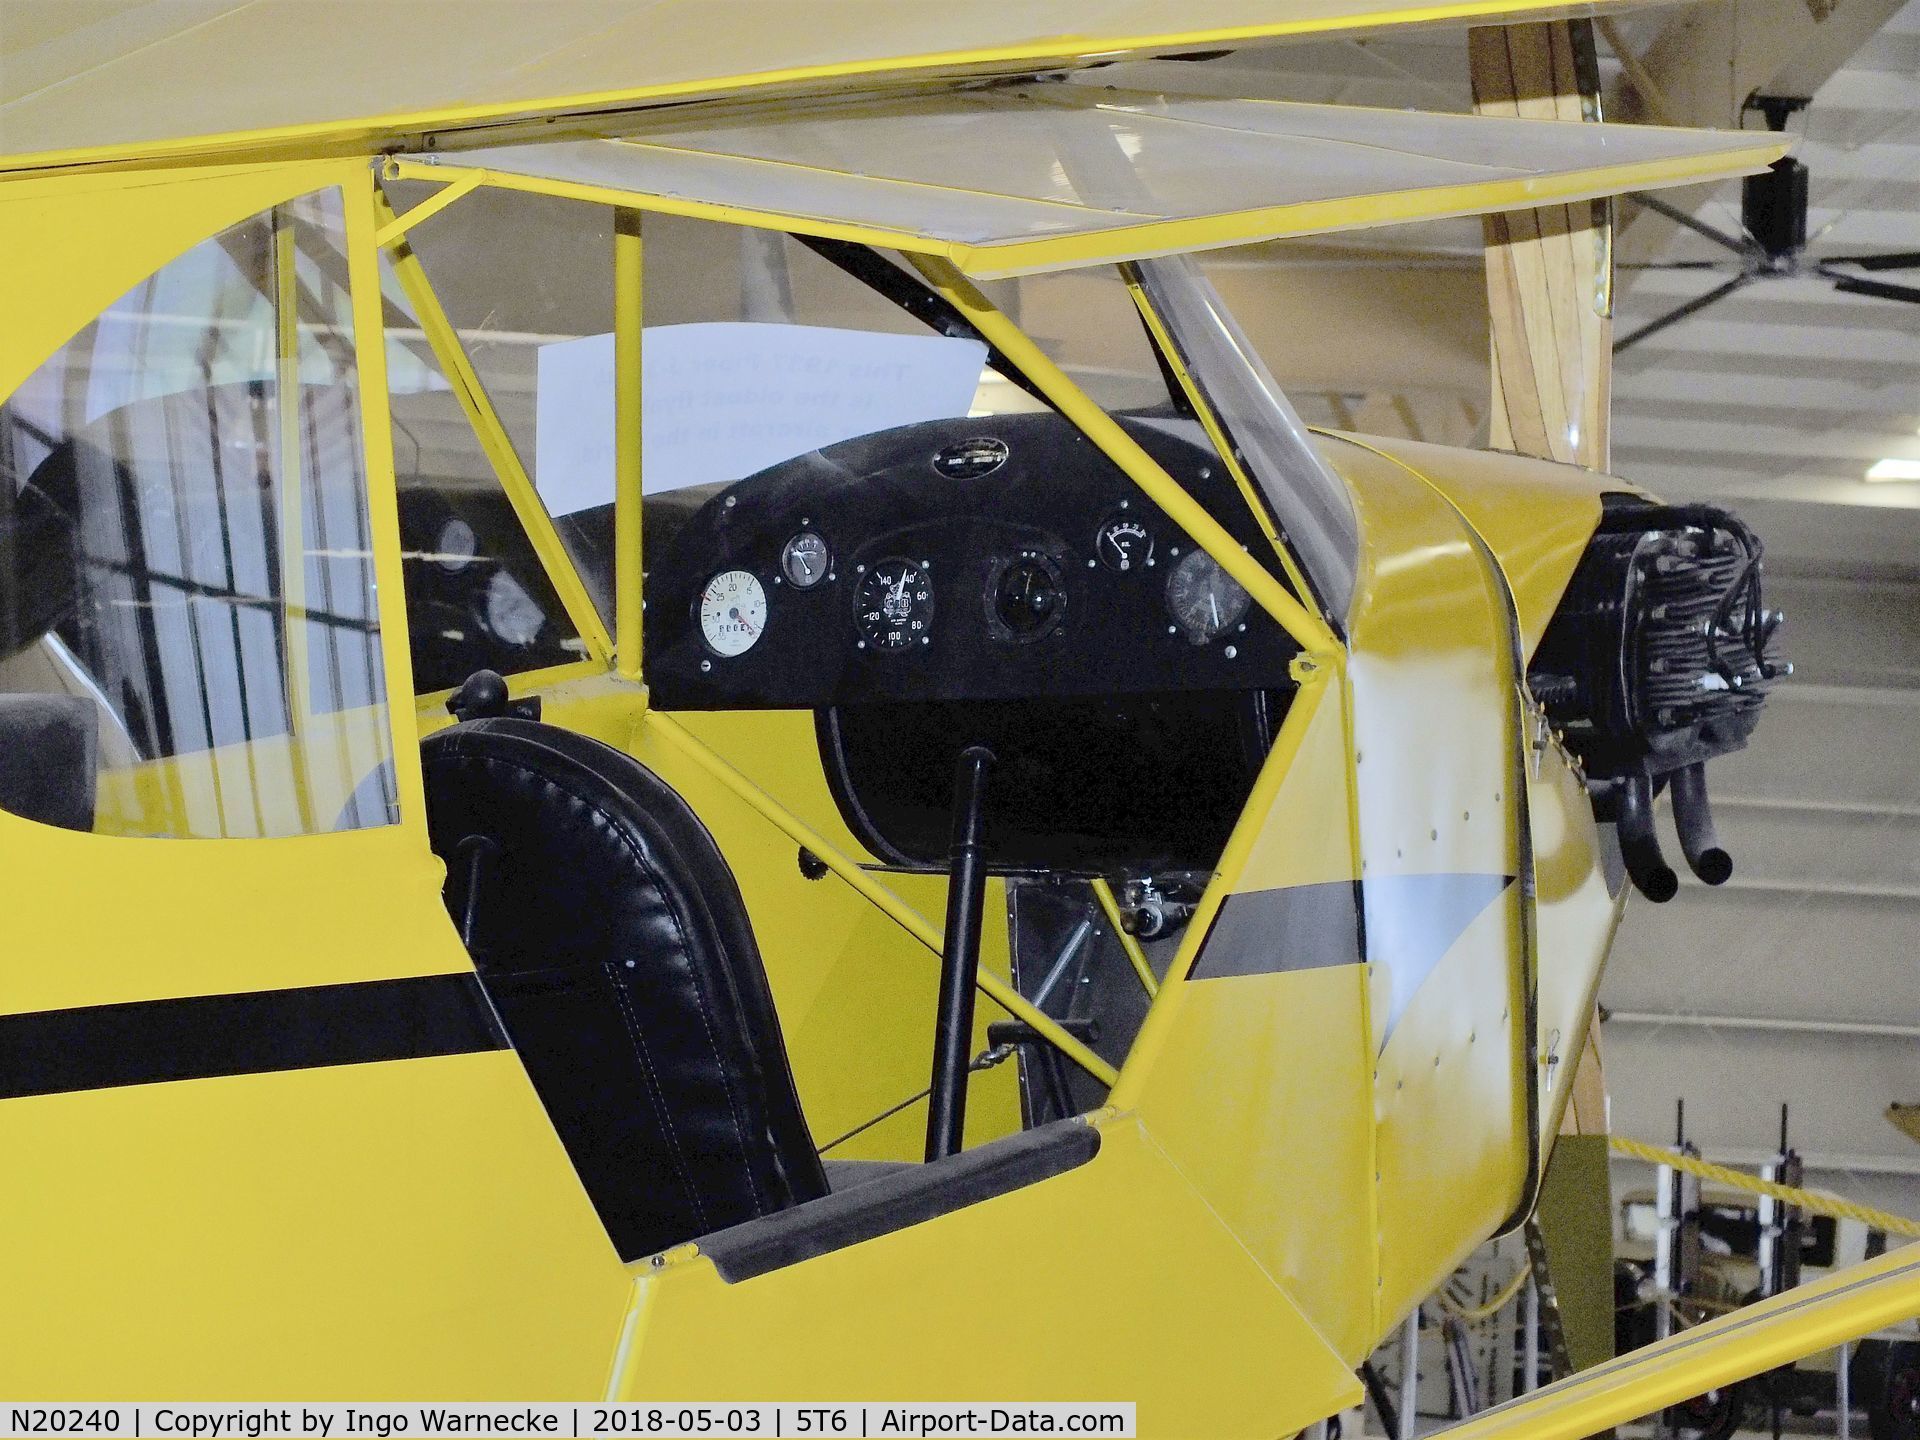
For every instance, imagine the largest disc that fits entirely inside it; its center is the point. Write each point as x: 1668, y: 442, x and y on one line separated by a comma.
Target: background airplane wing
x: 1843, y: 1306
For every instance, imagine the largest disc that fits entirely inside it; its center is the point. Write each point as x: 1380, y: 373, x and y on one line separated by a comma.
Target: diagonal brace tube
x: 1105, y: 432
x: 870, y: 889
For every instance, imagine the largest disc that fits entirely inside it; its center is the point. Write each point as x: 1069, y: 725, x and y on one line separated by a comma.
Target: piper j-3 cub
x: 746, y: 996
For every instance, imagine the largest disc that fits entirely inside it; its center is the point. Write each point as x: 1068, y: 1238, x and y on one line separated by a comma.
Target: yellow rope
x: 1740, y: 1180
x: 1474, y: 1314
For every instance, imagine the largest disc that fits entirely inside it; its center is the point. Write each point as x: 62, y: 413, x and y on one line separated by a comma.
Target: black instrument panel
x: 956, y: 559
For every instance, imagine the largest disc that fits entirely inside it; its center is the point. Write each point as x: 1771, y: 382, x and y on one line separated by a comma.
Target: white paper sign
x: 722, y: 400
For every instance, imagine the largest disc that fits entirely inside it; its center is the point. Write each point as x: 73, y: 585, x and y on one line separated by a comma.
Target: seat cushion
x: 612, y: 939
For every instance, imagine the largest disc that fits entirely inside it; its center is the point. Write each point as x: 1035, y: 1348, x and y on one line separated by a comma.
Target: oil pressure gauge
x: 804, y: 560
x: 1124, y: 544
x: 733, y: 613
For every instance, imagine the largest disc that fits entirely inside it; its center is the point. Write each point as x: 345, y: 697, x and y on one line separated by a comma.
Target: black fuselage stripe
x: 1294, y: 927
x: 146, y: 1042
x: 1405, y: 921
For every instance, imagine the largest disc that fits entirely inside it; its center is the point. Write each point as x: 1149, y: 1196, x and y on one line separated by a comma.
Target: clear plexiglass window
x: 514, y: 277
x: 189, y: 635
x: 761, y: 348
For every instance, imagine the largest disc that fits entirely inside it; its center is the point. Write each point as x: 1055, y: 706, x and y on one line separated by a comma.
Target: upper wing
x: 1844, y: 1306
x: 1010, y: 179
x: 111, y: 79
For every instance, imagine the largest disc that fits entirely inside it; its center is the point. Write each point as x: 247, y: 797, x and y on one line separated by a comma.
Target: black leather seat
x: 611, y: 937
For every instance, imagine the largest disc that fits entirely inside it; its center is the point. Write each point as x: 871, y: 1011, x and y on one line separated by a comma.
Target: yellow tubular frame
x: 1136, y: 957
x: 870, y: 889
x: 365, y: 207
x: 629, y: 566
x: 1105, y: 432
x: 432, y: 205
x: 494, y: 441
x: 293, y: 498
x: 623, y: 649
x: 453, y: 173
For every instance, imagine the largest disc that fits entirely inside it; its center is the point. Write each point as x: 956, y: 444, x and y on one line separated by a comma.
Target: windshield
x: 1309, y: 501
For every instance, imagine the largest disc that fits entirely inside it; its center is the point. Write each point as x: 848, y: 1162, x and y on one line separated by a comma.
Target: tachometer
x: 1202, y: 598
x: 733, y: 612
x: 893, y: 605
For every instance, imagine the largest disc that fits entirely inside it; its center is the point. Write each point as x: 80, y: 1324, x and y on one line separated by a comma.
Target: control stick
x: 959, y: 956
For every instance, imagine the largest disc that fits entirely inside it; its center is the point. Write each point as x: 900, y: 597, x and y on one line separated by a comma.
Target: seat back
x: 611, y: 937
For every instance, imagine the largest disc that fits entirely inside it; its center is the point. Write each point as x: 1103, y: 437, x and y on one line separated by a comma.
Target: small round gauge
x: 733, y: 612
x: 1024, y: 597
x: 1124, y: 544
x: 512, y: 614
x: 893, y: 604
x: 804, y: 560
x: 1202, y: 598
x: 456, y: 547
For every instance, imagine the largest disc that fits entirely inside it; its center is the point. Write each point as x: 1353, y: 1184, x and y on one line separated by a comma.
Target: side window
x: 478, y: 597
x: 511, y: 274
x: 189, y: 635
